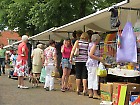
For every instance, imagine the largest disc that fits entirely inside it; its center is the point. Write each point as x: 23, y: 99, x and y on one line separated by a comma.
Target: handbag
x: 76, y: 53
x: 101, y: 71
x: 55, y: 74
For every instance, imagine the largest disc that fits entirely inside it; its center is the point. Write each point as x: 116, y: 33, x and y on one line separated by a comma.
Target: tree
x: 34, y: 16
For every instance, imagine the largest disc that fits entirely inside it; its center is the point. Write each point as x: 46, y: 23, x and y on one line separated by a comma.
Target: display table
x: 123, y: 72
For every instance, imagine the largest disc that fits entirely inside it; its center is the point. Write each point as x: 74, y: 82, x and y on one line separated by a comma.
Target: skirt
x: 36, y: 68
x: 21, y: 68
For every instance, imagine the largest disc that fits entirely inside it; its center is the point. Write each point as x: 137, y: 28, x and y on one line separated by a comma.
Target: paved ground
x: 11, y: 95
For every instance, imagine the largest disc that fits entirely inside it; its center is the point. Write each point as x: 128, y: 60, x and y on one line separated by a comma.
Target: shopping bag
x: 101, y: 71
x: 43, y: 75
x: 76, y: 53
x: 55, y: 74
x: 128, y: 50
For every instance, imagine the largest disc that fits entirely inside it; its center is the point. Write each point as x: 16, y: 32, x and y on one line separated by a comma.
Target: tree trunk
x: 82, y: 9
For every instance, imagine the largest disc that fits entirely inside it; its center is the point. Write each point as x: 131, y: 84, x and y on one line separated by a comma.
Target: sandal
x: 90, y: 96
x: 96, y: 97
x: 66, y: 88
x: 85, y: 93
x: 78, y: 93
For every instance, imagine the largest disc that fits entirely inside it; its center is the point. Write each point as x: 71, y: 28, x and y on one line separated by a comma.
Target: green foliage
x: 34, y: 16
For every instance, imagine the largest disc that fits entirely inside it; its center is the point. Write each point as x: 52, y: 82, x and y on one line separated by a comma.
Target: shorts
x: 81, y: 70
x: 66, y: 63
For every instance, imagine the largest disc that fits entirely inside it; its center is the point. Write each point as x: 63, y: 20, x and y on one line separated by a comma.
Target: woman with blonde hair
x: 92, y: 64
x: 80, y: 62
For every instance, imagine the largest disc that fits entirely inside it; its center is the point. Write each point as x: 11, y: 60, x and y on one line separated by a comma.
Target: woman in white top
x: 50, y: 65
x: 92, y: 64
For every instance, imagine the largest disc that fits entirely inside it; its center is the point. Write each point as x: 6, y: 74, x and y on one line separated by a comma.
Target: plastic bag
x: 43, y: 75
x: 101, y: 71
x: 128, y: 50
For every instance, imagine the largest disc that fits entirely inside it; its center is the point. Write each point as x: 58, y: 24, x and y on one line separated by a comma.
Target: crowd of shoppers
x: 56, y: 56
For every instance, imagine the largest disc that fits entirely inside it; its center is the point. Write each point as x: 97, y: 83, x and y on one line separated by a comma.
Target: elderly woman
x: 38, y: 59
x: 50, y: 65
x: 21, y: 64
x: 80, y: 62
x: 92, y: 64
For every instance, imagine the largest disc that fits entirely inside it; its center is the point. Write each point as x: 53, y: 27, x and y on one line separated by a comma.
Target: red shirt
x: 20, y: 46
x: 66, y: 52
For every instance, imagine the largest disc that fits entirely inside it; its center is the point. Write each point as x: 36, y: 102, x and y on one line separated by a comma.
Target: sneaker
x: 18, y: 86
x: 24, y: 87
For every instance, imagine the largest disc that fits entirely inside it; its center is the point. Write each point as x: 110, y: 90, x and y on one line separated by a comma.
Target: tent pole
x: 84, y: 28
x: 68, y: 34
x: 126, y: 8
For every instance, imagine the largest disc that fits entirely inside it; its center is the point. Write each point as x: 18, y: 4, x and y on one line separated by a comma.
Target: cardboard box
x: 72, y: 86
x: 72, y: 79
x: 72, y: 82
x: 106, y: 96
x: 108, y: 87
x: 114, y: 98
x: 115, y: 86
x: 131, y: 87
x: 106, y: 91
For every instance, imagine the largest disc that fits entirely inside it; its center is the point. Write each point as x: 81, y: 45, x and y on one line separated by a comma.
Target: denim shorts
x: 66, y: 63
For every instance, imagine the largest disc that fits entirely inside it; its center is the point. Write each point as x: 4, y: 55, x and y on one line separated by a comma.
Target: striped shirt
x: 83, y: 51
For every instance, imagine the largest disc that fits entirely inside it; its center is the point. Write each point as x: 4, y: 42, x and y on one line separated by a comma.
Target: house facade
x: 9, y: 37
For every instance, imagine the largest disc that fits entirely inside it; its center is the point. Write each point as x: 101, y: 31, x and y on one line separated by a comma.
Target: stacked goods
x: 72, y: 82
x: 122, y: 92
x: 106, y: 91
x: 134, y: 100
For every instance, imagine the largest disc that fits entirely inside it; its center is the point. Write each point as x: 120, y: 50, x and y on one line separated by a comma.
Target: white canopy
x: 99, y: 21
